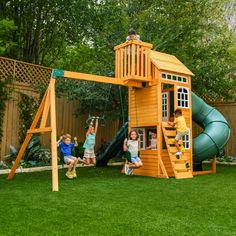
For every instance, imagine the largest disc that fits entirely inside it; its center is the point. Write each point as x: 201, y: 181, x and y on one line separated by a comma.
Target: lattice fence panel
x: 6, y: 68
x: 24, y: 72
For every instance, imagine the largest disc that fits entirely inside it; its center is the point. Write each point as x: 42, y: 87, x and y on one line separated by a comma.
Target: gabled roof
x: 169, y: 62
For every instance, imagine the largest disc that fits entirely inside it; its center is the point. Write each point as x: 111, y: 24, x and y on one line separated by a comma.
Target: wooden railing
x: 24, y: 72
x: 133, y: 61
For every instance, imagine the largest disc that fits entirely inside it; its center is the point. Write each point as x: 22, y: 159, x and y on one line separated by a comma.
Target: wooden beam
x: 53, y: 136
x: 45, y: 111
x: 100, y: 79
x: 19, y: 156
x: 203, y: 172
x: 163, y: 169
x: 137, y: 42
x: 39, y: 130
x: 94, y: 78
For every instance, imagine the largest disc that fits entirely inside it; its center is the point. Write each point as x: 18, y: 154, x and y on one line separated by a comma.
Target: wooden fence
x: 67, y: 122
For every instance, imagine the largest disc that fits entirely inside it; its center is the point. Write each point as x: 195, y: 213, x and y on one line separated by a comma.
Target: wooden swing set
x: 144, y: 72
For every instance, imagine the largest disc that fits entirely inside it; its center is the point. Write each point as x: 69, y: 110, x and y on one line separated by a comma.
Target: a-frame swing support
x: 47, y: 103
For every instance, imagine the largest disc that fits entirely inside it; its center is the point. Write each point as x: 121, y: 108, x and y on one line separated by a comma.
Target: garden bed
x: 44, y: 168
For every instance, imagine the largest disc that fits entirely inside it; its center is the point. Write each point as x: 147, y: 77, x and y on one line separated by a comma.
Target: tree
x: 7, y: 27
x: 44, y: 27
x: 198, y: 34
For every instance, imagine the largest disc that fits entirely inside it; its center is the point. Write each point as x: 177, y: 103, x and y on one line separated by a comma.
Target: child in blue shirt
x: 89, y: 143
x: 66, y: 146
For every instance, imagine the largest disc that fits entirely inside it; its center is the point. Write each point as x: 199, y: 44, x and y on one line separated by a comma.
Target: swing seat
x: 61, y: 156
x: 128, y: 156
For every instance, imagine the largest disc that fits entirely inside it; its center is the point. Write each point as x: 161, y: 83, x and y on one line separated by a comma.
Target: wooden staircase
x: 180, y: 166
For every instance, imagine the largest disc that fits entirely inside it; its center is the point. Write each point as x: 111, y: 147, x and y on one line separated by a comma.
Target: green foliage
x: 35, y: 154
x: 5, y: 94
x: 7, y: 27
x: 27, y: 107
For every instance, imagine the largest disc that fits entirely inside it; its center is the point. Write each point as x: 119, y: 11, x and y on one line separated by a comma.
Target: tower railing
x: 133, y: 61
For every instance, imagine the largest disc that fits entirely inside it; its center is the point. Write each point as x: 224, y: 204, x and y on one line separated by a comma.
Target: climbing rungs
x: 172, y: 150
x: 181, y: 159
x: 180, y: 167
x: 165, y: 124
x: 169, y: 133
x: 172, y: 141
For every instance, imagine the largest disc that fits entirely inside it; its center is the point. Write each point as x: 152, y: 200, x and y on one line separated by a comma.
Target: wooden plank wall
x: 67, y: 122
x: 143, y: 107
x: 150, y: 164
x: 228, y: 110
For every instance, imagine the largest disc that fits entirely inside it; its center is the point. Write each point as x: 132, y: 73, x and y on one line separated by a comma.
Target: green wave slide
x: 210, y: 142
x: 216, y: 131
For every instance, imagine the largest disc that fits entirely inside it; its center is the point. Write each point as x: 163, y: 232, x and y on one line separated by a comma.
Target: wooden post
x: 213, y: 165
x: 53, y: 136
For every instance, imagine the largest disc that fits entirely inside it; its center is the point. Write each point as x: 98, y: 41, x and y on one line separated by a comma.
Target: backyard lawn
x: 102, y: 201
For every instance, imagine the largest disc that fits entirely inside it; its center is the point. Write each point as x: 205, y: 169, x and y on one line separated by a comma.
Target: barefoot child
x: 66, y: 146
x: 132, y: 146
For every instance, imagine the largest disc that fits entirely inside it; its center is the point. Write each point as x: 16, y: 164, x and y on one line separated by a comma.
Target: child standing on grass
x: 132, y: 146
x: 66, y: 147
x: 89, y: 144
x: 181, y: 128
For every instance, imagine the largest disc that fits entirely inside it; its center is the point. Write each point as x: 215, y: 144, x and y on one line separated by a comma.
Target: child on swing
x: 66, y: 146
x: 132, y: 145
x: 89, y: 144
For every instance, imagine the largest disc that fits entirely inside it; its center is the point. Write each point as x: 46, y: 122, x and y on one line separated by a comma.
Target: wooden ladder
x: 180, y: 166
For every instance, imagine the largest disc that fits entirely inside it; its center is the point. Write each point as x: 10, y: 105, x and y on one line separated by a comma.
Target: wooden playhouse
x: 165, y: 84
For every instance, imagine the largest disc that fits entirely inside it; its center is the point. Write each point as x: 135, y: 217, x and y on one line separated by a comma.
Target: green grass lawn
x: 102, y: 201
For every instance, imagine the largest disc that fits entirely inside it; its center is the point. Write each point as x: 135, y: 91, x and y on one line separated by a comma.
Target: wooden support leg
x: 53, y: 137
x: 213, y: 165
x: 19, y: 156
x: 45, y: 111
x: 163, y: 169
x: 28, y: 136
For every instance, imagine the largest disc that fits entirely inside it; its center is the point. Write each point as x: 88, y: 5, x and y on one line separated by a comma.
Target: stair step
x: 170, y: 132
x: 172, y: 141
x: 173, y: 149
x: 183, y: 175
x: 165, y: 124
x: 180, y: 167
x: 181, y: 159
